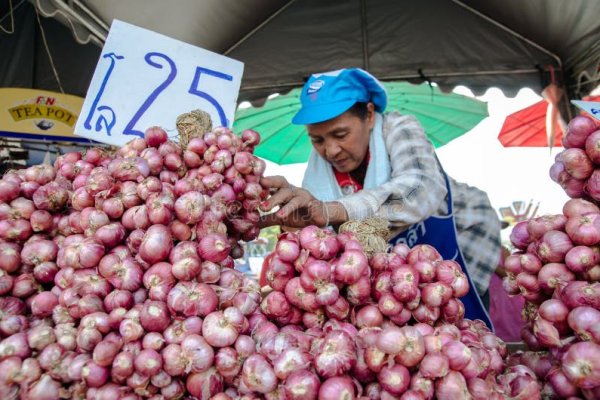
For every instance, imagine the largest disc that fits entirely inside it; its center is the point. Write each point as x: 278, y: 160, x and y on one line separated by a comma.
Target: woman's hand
x: 297, y: 207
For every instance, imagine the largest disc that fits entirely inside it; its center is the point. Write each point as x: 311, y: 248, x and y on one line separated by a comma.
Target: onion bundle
x: 556, y: 268
x: 576, y: 168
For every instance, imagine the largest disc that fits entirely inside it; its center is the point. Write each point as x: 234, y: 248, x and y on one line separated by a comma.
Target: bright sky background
x: 478, y: 158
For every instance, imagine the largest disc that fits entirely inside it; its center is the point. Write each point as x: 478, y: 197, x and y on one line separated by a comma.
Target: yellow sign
x: 39, y: 114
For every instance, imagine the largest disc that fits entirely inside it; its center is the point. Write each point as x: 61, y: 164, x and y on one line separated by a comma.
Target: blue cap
x: 329, y: 94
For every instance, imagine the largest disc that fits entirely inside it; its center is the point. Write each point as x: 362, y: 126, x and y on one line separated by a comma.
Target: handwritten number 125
x: 206, y: 96
x: 129, y: 129
x: 172, y: 74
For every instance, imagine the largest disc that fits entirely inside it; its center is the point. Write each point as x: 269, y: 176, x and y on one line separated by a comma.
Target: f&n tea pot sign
x: 144, y: 79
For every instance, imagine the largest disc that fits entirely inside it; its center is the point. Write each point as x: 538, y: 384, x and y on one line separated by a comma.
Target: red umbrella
x: 527, y: 127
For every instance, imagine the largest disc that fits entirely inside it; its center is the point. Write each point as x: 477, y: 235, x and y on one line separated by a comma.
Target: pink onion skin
x: 301, y: 385
x: 157, y: 244
x: 585, y: 322
x: 394, y: 379
x: 581, y: 364
x: 155, y: 136
x: 258, y: 375
x: 578, y: 130
x: 338, y: 387
x: 578, y: 207
x: 577, y: 163
x: 519, y: 236
x: 453, y: 386
x: 554, y: 246
x: 580, y: 293
x: 584, y: 230
x: 581, y: 258
x: 204, y: 385
x: 337, y: 354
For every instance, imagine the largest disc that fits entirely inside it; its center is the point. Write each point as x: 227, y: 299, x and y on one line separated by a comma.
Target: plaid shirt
x: 417, y: 190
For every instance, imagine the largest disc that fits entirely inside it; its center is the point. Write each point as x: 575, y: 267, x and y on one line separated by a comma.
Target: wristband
x: 326, y: 212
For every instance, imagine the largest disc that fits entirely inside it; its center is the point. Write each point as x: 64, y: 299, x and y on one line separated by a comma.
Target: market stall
x: 117, y: 275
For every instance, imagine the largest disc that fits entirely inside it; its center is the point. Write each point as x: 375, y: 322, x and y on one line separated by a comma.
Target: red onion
x: 585, y: 322
x: 581, y: 364
x: 321, y: 243
x: 394, y: 379
x: 434, y: 365
x: 148, y: 362
x: 50, y: 197
x: 43, y: 304
x: 302, y: 385
x: 351, y: 266
x: 10, y: 256
x: 275, y: 305
x: 519, y: 235
x: 577, y: 163
x: 338, y: 387
x: 287, y: 250
x: 405, y: 282
x: 191, y: 299
x: 452, y: 387
x: 155, y: 136
x: 198, y: 351
x: 154, y: 316
x: 8, y: 190
x: 553, y: 310
x: 290, y: 361
x: 581, y: 258
x: 585, y: 229
x: 214, y: 247
x: 204, y: 385
x: 278, y: 273
x: 258, y: 375
x: 186, y: 269
x: 43, y: 389
x: 578, y: 207
x: 218, y: 331
x: 369, y: 316
x: 336, y: 354
x: 591, y: 186
x: 552, y: 275
x: 17, y: 230
x: 561, y: 384
x: 104, y: 353
x: 580, y: 293
x: 578, y: 130
x: 157, y: 244
x: 94, y: 375
x: 554, y: 246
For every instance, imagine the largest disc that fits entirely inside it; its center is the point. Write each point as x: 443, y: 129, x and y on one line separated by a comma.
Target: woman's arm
x: 416, y: 188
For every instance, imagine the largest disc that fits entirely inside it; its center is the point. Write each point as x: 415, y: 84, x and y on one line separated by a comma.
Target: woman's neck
x: 359, y: 173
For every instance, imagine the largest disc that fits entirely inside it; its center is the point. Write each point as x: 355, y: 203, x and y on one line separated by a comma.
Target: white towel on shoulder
x: 320, y: 180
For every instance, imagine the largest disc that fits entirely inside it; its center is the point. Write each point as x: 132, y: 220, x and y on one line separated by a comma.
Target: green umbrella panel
x: 444, y: 116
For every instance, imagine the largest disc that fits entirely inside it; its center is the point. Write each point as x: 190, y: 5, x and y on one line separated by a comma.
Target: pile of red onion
x: 556, y: 268
x: 116, y: 282
x: 387, y: 327
x: 115, y: 269
x: 577, y: 168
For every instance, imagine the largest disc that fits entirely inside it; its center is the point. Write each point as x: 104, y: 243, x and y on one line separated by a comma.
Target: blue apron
x: 440, y: 232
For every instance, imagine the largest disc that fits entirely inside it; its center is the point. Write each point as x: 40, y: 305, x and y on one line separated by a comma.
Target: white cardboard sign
x: 144, y: 79
x: 590, y: 107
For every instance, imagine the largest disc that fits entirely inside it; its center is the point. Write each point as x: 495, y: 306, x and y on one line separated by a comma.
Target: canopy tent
x: 503, y: 43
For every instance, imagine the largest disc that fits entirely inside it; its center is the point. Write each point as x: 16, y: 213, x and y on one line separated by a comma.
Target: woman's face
x: 343, y: 141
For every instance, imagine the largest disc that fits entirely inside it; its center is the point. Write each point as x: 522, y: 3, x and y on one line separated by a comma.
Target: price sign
x: 590, y: 107
x: 144, y: 79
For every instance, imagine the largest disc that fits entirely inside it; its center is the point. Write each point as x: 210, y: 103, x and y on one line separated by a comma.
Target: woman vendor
x: 367, y: 163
